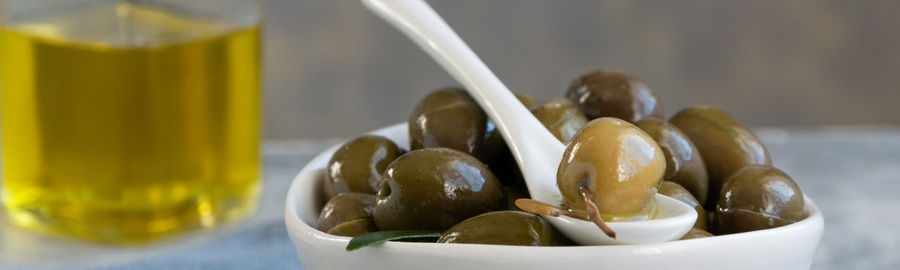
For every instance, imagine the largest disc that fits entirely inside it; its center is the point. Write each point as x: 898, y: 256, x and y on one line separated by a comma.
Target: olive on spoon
x: 539, y: 153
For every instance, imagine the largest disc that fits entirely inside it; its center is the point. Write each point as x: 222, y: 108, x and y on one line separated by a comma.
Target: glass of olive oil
x: 129, y: 121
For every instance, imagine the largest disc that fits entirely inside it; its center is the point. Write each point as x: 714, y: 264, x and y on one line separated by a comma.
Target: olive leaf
x: 373, y: 238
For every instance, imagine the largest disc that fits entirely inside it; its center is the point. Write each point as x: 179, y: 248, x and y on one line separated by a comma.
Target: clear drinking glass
x: 131, y: 120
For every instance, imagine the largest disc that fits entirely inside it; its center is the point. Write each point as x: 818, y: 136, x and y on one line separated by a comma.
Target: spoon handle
x: 530, y: 142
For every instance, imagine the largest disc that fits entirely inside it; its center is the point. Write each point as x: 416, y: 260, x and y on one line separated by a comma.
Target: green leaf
x: 384, y: 236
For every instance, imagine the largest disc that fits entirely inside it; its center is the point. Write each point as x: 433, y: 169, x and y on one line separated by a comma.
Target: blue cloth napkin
x: 265, y: 246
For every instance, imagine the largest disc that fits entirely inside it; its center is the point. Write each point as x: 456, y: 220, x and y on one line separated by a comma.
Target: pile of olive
x: 459, y: 177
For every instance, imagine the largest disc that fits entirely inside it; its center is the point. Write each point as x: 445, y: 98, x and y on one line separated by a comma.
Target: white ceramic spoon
x: 536, y: 150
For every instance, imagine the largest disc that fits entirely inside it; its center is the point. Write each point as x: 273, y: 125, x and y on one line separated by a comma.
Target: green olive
x: 448, y: 118
x: 684, y: 165
x: 345, y: 207
x: 676, y: 191
x: 695, y: 233
x: 562, y: 117
x: 614, y: 94
x: 758, y: 197
x: 726, y: 145
x: 354, y: 227
x: 504, y: 228
x: 358, y: 164
x: 435, y: 188
x: 618, y: 163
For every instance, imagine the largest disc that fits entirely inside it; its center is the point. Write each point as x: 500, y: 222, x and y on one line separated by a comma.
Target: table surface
x: 853, y: 174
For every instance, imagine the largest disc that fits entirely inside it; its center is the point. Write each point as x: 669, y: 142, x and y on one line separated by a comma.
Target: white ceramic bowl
x: 788, y: 247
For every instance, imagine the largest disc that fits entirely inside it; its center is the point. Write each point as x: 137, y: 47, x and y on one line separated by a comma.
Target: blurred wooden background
x: 334, y: 69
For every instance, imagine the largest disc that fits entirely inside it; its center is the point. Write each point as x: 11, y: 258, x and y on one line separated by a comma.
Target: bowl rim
x: 297, y: 227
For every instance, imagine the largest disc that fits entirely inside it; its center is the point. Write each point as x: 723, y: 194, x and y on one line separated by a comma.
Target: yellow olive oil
x: 124, y: 123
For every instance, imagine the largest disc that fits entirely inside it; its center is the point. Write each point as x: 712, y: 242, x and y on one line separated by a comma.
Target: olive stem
x: 540, y: 208
x: 594, y: 212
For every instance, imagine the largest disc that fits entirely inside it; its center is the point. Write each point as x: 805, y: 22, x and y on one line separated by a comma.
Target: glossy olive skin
x: 621, y: 165
x: 614, y: 94
x: 354, y: 227
x: 345, y: 207
x: 448, y: 118
x: 504, y: 228
x: 758, y: 197
x: 358, y: 164
x: 562, y: 117
x: 435, y: 188
x: 726, y: 145
x: 676, y: 191
x: 695, y: 233
x: 684, y: 164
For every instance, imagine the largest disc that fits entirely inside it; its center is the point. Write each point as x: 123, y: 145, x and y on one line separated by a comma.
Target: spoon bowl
x: 536, y: 150
x: 666, y: 225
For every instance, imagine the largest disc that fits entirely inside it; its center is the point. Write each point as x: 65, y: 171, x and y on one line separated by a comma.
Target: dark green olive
x: 504, y: 228
x: 435, y: 188
x: 726, y: 145
x: 676, y: 191
x: 614, y: 94
x: 695, y: 233
x: 345, y: 207
x: 619, y: 164
x: 354, y: 227
x: 758, y: 197
x: 562, y: 117
x: 448, y: 118
x: 684, y: 165
x: 358, y: 164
